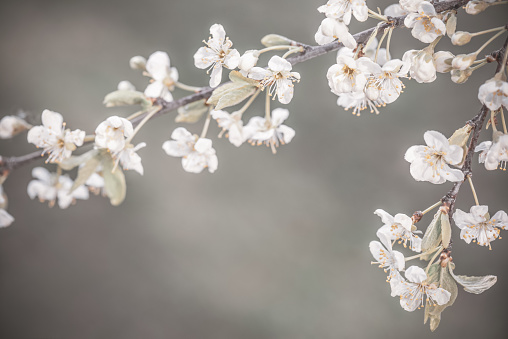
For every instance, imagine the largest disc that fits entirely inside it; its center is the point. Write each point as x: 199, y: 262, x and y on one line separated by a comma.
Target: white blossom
x: 494, y: 154
x: 278, y: 78
x: 425, y: 24
x: 137, y: 62
x: 51, y: 187
x: 494, y: 93
x: 400, y: 227
x: 349, y: 75
x: 369, y: 52
x: 269, y: 132
x: 11, y: 125
x: 477, y: 6
x: 463, y: 61
x: 126, y: 86
x: 430, y: 163
x: 248, y: 60
x: 129, y: 159
x: 197, y: 153
x: 391, y: 261
x: 5, y: 218
x: 217, y: 54
x: 343, y: 9
x: 232, y: 123
x: 423, y: 66
x: 332, y: 29
x: 443, y: 61
x: 410, y: 5
x: 477, y: 227
x: 416, y: 292
x: 358, y: 101
x: 385, y: 83
x: 52, y: 136
x: 158, y: 67
x: 395, y: 10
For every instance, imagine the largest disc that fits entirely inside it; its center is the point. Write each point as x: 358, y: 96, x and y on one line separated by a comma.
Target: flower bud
x: 443, y: 60
x: 11, y: 125
x: 475, y: 7
x: 461, y: 38
x: 275, y: 40
x: 463, y: 61
x: 248, y: 60
x: 460, y: 77
x: 138, y: 62
x: 126, y: 86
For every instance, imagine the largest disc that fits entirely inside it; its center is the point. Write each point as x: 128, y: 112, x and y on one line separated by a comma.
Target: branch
x: 477, y: 122
x: 310, y: 52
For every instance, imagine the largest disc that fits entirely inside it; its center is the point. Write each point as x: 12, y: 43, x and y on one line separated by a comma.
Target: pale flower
x: 425, y: 23
x: 112, y: 133
x: 400, y: 227
x: 477, y: 227
x: 164, y: 77
x: 443, y: 61
x: 416, y: 292
x: 410, y: 5
x: 494, y: 154
x: 197, y: 153
x: 270, y: 132
x: 494, y: 93
x: 278, y: 78
x: 11, y: 125
x: 349, y: 75
x: 430, y: 163
x: 232, y: 123
x: 52, y: 136
x: 463, y: 61
x: 5, y: 218
x: 343, y: 9
x: 51, y: 186
x: 129, y: 159
x: 332, y: 29
x: 395, y: 10
x: 248, y: 60
x: 369, y: 52
x: 358, y: 101
x: 385, y: 83
x: 423, y: 66
x: 391, y: 261
x: 217, y: 54
x: 126, y: 86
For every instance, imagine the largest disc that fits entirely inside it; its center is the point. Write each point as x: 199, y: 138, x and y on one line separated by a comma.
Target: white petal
x: 416, y: 274
x: 158, y: 65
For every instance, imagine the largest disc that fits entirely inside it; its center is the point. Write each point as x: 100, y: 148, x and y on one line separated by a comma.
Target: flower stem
x: 488, y: 42
x: 142, y: 122
x: 473, y: 190
x: 422, y: 254
x: 291, y: 51
x: 488, y: 31
x: 388, y: 43
x: 187, y: 87
x: 503, y: 121
x: 483, y: 63
x: 378, y: 16
x: 267, y: 108
x: 89, y: 138
x: 207, y: 124
x: 492, y: 122
x: 275, y: 48
x: 249, y: 102
x: 432, y: 207
x: 135, y: 115
x: 380, y: 42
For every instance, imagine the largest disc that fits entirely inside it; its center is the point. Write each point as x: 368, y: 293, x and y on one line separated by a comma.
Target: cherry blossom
x: 423, y: 66
x: 51, y: 187
x: 197, y: 153
x: 232, y: 123
x: 425, y: 24
x: 5, y: 218
x: 477, y: 227
x: 52, y: 136
x: 344, y: 9
x: 217, y: 54
x: 494, y: 154
x: 369, y: 51
x: 358, y: 101
x: 164, y: 77
x: 494, y: 93
x: 389, y: 260
x: 11, y: 125
x: 270, y: 132
x: 400, y: 227
x: 332, y: 29
x: 416, y: 292
x: 349, y: 75
x: 278, y: 78
x: 385, y: 83
x: 248, y: 60
x: 430, y: 163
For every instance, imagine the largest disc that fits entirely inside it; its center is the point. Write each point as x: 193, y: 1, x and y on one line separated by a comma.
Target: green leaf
x: 126, y: 98
x: 233, y: 93
x: 191, y: 112
x: 114, y: 181
x: 445, y: 281
x: 475, y: 285
x: 446, y: 230
x: 434, y: 321
x: 237, y: 77
x: 432, y: 236
x: 76, y: 160
x: 235, y: 97
x: 86, y: 171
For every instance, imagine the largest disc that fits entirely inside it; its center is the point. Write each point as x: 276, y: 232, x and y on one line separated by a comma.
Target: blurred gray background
x: 268, y: 246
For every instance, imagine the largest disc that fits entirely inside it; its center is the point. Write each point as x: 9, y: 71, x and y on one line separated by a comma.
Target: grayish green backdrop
x: 268, y: 246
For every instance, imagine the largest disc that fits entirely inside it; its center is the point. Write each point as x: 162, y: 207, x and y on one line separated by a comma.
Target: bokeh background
x: 268, y: 246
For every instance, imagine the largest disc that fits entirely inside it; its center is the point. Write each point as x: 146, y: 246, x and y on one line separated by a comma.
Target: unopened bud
x: 460, y: 77
x: 138, y: 62
x: 275, y: 40
x: 451, y: 24
x: 475, y: 7
x: 126, y: 86
x: 11, y: 125
x: 248, y: 60
x: 461, y: 38
x: 463, y: 61
x: 443, y: 60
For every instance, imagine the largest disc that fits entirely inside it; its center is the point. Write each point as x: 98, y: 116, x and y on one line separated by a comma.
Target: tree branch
x: 9, y: 163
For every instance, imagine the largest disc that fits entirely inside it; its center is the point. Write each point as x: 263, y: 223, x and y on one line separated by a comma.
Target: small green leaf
x: 126, y: 98
x: 475, y: 285
x: 446, y: 230
x: 432, y: 236
x: 444, y: 281
x: 219, y: 91
x: 76, y: 160
x: 114, y: 181
x: 236, y: 76
x: 235, y: 97
x: 191, y: 112
x: 230, y: 94
x: 86, y: 171
x: 434, y: 321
